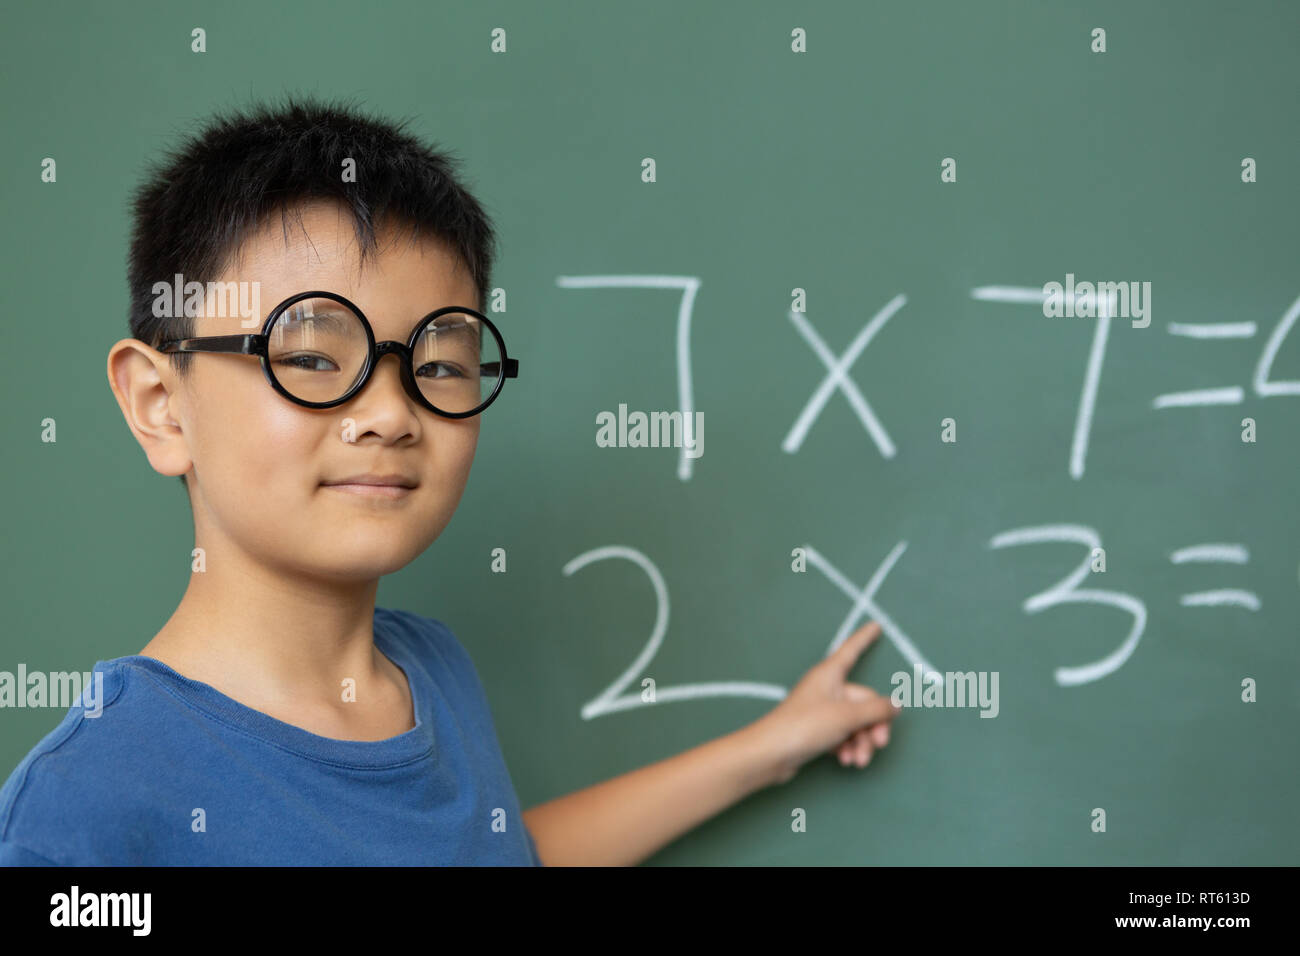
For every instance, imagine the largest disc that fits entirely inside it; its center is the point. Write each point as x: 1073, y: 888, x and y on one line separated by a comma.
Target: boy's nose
x: 390, y: 372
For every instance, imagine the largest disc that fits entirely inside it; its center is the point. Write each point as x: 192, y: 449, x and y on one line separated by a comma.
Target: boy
x: 279, y: 717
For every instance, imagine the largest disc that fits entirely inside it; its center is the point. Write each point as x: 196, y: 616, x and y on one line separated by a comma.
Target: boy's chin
x: 357, y: 557
x: 355, y: 571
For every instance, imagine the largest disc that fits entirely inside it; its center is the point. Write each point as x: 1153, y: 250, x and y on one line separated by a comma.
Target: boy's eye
x: 452, y: 371
x: 309, y: 363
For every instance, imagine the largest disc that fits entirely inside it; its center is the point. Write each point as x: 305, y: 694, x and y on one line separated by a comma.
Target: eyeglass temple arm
x: 243, y: 344
x: 511, y: 369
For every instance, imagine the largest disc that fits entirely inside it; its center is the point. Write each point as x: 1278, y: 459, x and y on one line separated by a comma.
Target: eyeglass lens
x: 317, y: 352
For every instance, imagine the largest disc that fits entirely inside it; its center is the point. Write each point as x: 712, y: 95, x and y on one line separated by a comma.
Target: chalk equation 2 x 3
x: 865, y: 606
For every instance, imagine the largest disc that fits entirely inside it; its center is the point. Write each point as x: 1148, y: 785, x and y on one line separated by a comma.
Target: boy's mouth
x: 384, y: 486
x: 374, y: 491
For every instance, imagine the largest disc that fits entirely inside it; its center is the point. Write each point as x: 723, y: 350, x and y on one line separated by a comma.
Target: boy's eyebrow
x: 467, y: 322
x: 332, y: 317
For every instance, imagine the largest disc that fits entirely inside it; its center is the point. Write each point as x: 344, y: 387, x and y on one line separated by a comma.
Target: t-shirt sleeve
x: 11, y: 854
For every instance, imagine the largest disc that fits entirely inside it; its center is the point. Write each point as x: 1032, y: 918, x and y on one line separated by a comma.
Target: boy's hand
x: 825, y: 711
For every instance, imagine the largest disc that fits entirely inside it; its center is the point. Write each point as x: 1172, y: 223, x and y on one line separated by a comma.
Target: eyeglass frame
x: 258, y: 343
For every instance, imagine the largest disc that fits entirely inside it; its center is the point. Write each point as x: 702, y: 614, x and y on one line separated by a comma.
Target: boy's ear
x: 146, y: 387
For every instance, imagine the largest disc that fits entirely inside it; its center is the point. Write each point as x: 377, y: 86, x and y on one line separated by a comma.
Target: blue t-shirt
x: 173, y: 772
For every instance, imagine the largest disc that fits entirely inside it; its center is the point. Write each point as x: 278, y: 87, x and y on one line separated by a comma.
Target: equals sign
x: 1218, y: 554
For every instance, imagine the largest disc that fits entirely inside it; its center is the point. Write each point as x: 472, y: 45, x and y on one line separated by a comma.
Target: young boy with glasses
x: 280, y: 717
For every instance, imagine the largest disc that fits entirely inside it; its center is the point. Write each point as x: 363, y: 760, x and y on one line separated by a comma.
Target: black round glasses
x: 319, y: 350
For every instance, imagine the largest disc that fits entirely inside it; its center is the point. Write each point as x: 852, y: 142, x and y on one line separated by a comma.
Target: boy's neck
x: 287, y: 652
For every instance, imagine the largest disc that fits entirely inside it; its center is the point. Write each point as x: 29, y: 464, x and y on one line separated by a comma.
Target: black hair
x: 203, y: 199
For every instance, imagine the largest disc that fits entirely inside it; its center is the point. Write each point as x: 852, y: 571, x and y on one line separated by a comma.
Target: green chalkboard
x: 827, y: 231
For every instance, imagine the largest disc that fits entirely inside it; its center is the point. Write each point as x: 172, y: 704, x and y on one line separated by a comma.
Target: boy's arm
x: 626, y: 819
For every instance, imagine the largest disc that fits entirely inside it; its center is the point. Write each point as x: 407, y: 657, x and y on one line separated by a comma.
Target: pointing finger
x: 847, y: 654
